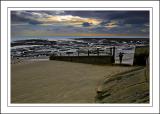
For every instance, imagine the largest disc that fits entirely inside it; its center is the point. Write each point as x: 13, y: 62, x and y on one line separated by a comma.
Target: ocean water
x: 68, y: 37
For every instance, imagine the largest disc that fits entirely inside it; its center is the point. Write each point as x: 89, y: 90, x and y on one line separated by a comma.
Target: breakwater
x: 85, y: 59
x: 139, y: 57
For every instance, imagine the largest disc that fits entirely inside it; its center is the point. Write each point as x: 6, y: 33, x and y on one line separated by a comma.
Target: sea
x: 128, y: 51
x: 15, y: 38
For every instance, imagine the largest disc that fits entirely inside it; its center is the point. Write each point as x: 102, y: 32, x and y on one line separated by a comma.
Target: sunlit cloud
x: 50, y: 23
x: 69, y: 20
x: 112, y: 24
x: 55, y: 17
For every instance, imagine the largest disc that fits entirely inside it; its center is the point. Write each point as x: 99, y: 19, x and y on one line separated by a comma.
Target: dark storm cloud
x: 84, y: 13
x: 86, y: 24
x: 23, y: 18
x: 34, y: 22
x: 128, y: 17
x: 136, y: 20
x: 127, y: 21
x: 131, y: 17
x: 16, y: 18
x: 128, y: 14
x: 109, y: 14
x: 83, y: 21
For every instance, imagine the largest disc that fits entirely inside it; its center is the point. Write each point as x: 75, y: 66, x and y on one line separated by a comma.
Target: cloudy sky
x: 79, y: 23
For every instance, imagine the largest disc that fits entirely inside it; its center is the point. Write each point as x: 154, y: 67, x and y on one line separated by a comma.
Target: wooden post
x: 88, y: 52
x: 111, y: 51
x: 78, y: 52
x: 97, y: 51
x: 113, y: 54
x: 147, y: 70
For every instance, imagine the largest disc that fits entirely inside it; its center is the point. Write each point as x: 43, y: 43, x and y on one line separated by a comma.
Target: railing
x: 131, y: 55
x: 87, y: 52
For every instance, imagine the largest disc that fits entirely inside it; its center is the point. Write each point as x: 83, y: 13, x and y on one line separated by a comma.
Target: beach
x: 58, y: 81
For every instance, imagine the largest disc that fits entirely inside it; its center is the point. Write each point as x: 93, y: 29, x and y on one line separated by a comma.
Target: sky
x: 28, y: 23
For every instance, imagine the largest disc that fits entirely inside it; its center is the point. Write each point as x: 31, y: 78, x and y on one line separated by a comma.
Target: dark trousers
x: 120, y: 59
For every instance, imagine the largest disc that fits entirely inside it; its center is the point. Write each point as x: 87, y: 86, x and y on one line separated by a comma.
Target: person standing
x: 120, y: 57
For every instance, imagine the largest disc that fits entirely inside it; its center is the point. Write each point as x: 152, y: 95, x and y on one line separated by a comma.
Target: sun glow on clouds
x: 82, y: 23
x: 112, y: 24
x: 70, y: 20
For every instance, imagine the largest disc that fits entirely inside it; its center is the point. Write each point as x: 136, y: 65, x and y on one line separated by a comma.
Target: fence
x: 86, y: 52
x: 131, y: 55
x: 92, y: 56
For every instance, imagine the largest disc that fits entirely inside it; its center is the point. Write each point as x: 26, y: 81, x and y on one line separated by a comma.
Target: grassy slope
x: 127, y: 87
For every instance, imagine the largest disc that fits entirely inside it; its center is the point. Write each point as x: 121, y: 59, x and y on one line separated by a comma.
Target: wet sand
x: 58, y: 81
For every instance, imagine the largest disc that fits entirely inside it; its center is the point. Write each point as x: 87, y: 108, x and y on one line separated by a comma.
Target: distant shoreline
x: 113, y: 38
x: 76, y: 37
x: 83, y: 38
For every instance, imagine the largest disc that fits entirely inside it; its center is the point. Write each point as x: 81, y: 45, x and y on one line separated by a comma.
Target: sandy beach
x: 58, y: 81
